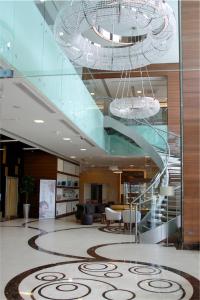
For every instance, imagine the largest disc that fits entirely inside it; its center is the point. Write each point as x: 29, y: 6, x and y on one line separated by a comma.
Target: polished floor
x: 63, y: 260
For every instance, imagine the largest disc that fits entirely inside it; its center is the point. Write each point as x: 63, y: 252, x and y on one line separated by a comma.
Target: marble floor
x: 63, y: 260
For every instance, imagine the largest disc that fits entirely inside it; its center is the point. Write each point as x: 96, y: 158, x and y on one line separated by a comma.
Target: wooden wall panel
x: 40, y: 165
x: 191, y: 121
x: 102, y: 176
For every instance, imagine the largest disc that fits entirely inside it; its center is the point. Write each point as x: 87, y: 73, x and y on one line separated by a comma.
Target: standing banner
x: 47, y: 199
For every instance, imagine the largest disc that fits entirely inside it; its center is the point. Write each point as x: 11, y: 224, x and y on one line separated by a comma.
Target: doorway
x: 96, y: 192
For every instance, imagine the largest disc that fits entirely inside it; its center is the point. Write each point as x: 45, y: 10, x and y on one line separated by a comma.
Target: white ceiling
x: 21, y: 105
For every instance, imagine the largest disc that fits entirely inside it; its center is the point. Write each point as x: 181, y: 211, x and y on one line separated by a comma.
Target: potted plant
x: 27, y: 188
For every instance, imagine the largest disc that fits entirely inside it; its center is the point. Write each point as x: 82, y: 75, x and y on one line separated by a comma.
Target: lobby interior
x: 99, y: 149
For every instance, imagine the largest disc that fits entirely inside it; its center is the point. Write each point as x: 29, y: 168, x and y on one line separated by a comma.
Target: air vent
x: 69, y: 127
x: 28, y: 92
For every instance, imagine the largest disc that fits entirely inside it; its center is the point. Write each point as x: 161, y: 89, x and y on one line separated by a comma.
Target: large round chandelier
x: 115, y: 34
x: 135, y: 107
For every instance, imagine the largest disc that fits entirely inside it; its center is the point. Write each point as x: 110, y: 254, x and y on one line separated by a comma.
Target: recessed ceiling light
x: 139, y: 92
x: 83, y: 149
x: 72, y: 156
x: 61, y: 33
x: 92, y: 94
x: 66, y: 139
x: 39, y: 121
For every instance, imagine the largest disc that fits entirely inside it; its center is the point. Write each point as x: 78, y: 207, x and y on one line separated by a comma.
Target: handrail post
x: 130, y: 224
x: 136, y: 225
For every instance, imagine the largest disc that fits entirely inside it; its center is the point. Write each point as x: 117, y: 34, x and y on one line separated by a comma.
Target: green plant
x: 27, y: 186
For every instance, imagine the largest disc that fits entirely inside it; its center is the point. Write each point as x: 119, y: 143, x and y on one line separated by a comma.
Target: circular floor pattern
x: 114, y: 229
x: 112, y: 280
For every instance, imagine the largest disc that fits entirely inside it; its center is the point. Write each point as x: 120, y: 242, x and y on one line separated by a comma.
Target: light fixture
x: 61, y: 33
x: 39, y: 121
x: 113, y: 35
x: 117, y: 172
x: 1, y: 149
x: 83, y: 149
x: 113, y: 168
x: 72, y: 156
x: 139, y: 92
x: 132, y: 165
x: 135, y: 107
x: 92, y: 94
x: 66, y: 139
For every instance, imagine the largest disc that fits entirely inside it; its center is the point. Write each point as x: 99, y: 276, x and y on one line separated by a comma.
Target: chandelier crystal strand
x: 127, y: 34
x: 134, y: 107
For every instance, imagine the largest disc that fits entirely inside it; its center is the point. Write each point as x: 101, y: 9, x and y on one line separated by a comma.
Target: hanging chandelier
x: 115, y: 34
x: 135, y: 107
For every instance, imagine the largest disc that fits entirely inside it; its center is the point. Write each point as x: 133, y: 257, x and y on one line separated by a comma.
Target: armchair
x: 126, y: 217
x: 112, y: 215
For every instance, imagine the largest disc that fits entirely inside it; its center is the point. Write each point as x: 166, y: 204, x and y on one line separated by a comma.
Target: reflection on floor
x: 60, y: 259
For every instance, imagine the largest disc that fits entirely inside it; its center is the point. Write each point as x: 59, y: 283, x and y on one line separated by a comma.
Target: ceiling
x: 21, y: 104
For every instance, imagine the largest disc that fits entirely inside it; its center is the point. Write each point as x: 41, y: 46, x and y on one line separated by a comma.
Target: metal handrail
x: 160, y: 174
x: 151, y: 185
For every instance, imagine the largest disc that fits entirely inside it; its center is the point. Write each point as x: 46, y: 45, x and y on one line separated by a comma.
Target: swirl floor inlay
x: 93, y: 267
x: 100, y: 280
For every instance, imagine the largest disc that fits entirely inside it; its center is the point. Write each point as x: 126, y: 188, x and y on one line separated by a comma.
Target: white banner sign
x: 47, y: 199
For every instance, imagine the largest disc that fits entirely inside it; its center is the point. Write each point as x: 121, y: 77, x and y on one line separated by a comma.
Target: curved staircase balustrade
x: 163, y: 217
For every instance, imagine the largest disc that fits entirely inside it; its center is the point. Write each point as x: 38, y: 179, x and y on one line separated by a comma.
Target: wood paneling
x: 191, y: 120
x: 40, y: 165
x: 102, y: 176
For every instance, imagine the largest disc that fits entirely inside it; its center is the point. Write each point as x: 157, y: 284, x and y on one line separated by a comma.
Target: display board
x: 47, y: 199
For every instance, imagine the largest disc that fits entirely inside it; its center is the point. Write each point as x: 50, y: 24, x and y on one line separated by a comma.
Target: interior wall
x: 104, y: 177
x: 40, y: 165
x: 191, y: 119
x: 11, y: 164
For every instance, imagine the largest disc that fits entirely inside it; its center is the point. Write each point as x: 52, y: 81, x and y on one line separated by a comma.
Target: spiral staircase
x: 163, y: 213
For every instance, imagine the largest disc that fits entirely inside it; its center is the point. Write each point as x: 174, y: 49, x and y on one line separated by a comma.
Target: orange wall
x: 102, y: 176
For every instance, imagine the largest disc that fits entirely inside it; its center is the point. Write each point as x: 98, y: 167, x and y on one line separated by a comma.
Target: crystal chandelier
x: 115, y: 34
x: 135, y: 107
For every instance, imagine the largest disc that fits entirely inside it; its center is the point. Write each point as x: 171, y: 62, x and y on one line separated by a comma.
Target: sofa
x: 95, y: 210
